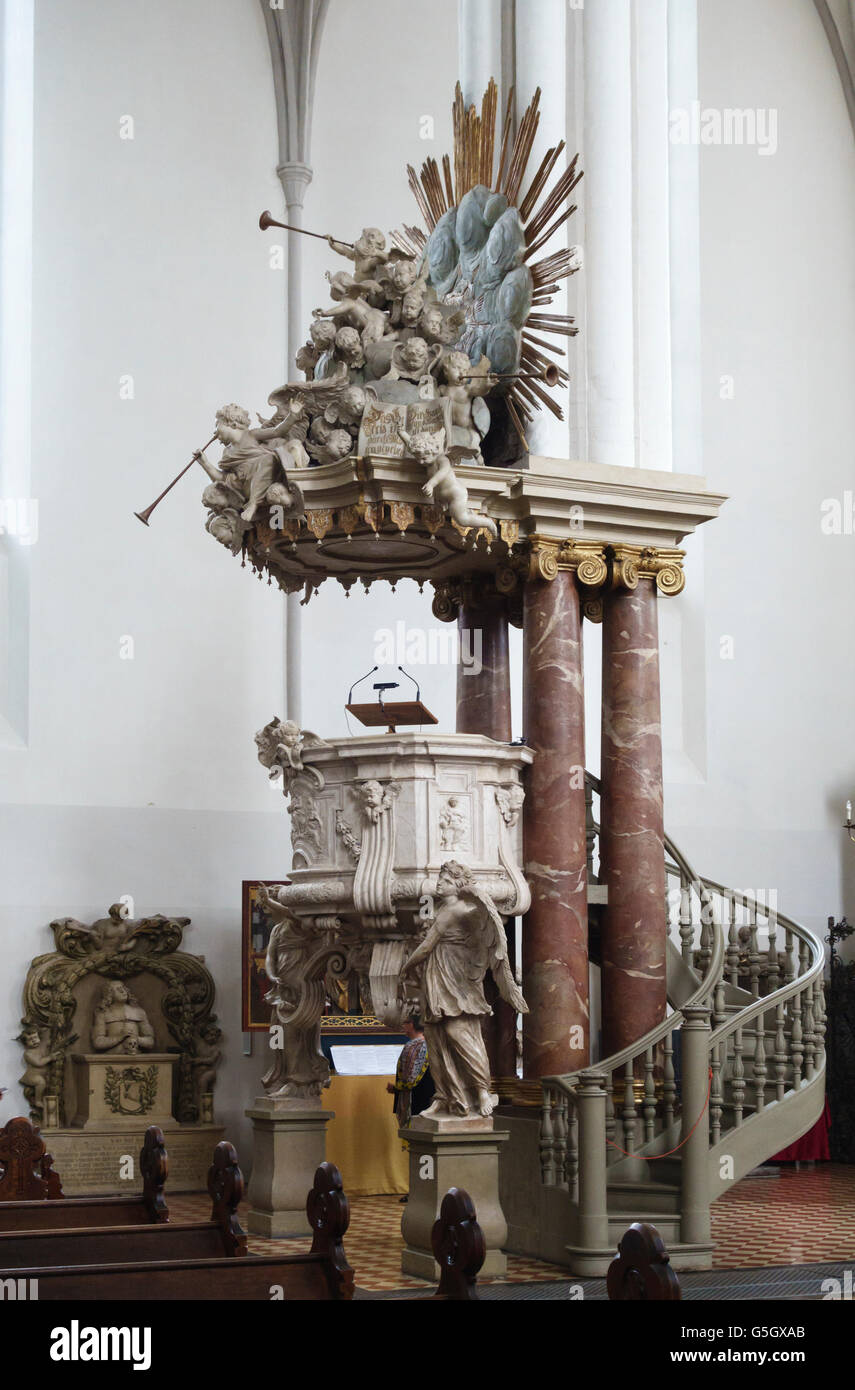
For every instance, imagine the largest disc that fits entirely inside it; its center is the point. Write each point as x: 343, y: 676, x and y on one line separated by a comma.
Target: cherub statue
x: 110, y: 934
x: 38, y: 1055
x: 328, y: 445
x: 464, y: 939
x: 321, y: 340
x: 299, y: 1067
x: 347, y: 409
x: 247, y: 466
x: 280, y: 744
x: 443, y: 485
x: 405, y: 284
x: 349, y: 348
x: 205, y: 1061
x: 465, y: 386
x: 413, y: 360
x: 352, y: 309
x: 435, y: 327
x: 375, y: 799
x: 368, y: 253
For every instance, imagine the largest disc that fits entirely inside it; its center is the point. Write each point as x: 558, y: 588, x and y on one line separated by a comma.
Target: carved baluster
x: 547, y: 1155
x: 649, y: 1111
x: 753, y: 951
x: 590, y: 832
x: 732, y: 954
x: 804, y: 958
x: 789, y: 957
x: 669, y: 1085
x: 706, y: 938
x: 780, y: 1053
x: 737, y: 1080
x: 719, y: 1013
x: 819, y: 1021
x: 773, y: 973
x: 628, y: 1112
x: 572, y: 1174
x: 809, y: 1032
x: 797, y: 1051
x: 687, y: 929
x: 759, y: 1065
x: 560, y: 1141
x: 611, y: 1120
x: 716, y: 1095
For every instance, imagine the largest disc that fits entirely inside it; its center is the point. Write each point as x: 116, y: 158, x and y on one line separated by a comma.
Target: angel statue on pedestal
x: 465, y: 939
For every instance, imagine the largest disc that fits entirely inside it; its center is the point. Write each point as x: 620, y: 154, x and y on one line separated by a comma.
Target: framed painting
x: 348, y: 1006
x: 256, y: 928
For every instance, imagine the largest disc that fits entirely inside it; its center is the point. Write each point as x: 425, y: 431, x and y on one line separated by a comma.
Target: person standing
x: 413, y: 1086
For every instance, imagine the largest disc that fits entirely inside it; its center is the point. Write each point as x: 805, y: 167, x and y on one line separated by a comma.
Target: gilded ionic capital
x: 662, y: 564
x: 547, y: 555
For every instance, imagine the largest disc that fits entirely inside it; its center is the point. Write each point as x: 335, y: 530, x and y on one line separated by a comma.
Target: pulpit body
x: 373, y: 821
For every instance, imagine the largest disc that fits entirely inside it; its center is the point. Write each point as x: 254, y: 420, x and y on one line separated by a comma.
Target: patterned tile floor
x: 797, y: 1217
x: 804, y: 1215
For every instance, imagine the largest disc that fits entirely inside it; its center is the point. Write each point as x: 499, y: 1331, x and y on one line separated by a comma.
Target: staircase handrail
x: 681, y: 866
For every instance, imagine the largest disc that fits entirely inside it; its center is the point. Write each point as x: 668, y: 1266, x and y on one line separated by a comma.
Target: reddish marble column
x: 632, y: 860
x: 483, y: 675
x: 484, y: 707
x: 555, y: 932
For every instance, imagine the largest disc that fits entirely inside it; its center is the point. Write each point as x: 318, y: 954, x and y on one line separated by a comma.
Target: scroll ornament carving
x: 299, y: 1068
x: 372, y: 884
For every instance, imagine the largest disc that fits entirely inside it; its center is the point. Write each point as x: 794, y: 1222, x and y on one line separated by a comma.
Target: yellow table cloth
x: 362, y: 1140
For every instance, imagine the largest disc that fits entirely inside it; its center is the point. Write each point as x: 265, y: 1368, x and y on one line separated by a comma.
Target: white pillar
x: 607, y: 160
x: 684, y: 216
x: 295, y: 178
x: 652, y: 236
x: 541, y: 61
x: 479, y: 35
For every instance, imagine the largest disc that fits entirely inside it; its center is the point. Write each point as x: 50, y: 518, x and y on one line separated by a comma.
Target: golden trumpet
x: 144, y: 516
x: 268, y: 220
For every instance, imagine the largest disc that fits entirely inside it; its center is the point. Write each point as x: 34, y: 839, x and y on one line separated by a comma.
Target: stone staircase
x: 734, y: 1073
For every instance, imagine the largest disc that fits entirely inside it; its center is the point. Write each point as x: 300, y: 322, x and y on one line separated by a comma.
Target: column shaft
x: 484, y: 707
x: 555, y: 935
x: 632, y: 862
x: 483, y: 675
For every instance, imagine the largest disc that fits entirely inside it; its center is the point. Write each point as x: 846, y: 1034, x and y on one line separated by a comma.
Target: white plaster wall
x: 363, y: 139
x: 778, y: 271
x: 140, y: 776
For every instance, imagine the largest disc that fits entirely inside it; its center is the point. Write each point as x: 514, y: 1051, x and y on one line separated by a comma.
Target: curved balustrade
x: 765, y: 1042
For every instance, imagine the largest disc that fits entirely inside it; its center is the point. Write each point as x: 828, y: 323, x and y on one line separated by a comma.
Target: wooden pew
x: 321, y: 1274
x: 217, y: 1238
x: 31, y: 1196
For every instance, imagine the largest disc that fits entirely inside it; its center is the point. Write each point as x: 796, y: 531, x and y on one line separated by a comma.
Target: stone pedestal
x: 91, y: 1162
x: 289, y: 1142
x: 555, y: 934
x: 444, y: 1154
x: 114, y: 1089
x: 632, y: 855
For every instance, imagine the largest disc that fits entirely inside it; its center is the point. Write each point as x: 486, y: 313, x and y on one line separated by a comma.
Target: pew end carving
x: 641, y: 1270
x: 26, y: 1172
